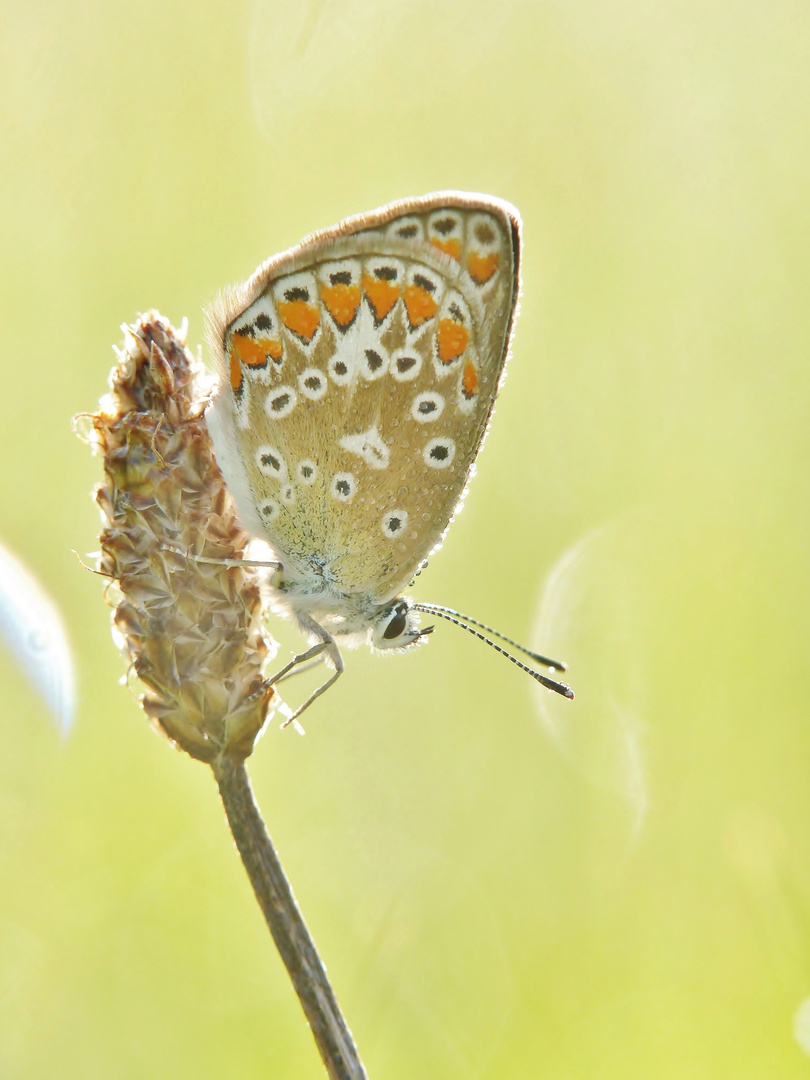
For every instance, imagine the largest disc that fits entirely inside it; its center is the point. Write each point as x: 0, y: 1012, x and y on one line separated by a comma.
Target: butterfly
x: 357, y: 375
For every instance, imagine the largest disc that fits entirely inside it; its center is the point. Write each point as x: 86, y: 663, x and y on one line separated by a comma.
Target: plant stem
x: 293, y: 941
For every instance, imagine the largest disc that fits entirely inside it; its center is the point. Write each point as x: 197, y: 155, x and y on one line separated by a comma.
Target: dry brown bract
x: 191, y: 630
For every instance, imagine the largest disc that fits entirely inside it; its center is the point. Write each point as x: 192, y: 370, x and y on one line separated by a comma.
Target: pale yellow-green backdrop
x: 502, y: 885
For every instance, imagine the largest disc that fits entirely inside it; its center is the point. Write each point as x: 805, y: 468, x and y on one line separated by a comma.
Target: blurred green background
x: 501, y: 884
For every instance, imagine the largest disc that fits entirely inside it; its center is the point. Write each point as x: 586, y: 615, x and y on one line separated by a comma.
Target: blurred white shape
x: 33, y: 630
x: 590, y: 616
x: 801, y: 1026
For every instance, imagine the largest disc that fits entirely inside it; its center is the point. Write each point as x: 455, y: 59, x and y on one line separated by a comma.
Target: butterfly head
x: 397, y: 626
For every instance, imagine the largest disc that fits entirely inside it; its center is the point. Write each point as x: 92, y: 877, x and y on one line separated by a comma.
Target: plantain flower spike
x: 191, y: 630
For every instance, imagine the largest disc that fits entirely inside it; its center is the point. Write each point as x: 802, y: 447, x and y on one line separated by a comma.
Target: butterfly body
x: 358, y: 372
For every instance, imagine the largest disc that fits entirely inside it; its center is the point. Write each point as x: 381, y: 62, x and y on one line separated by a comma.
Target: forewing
x: 358, y: 374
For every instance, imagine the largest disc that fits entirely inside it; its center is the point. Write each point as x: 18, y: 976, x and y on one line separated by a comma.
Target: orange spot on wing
x: 300, y: 317
x: 382, y: 295
x: 449, y: 247
x: 342, y: 302
x: 451, y: 340
x: 253, y: 352
x: 420, y: 305
x: 482, y: 267
x: 235, y: 371
x: 469, y: 380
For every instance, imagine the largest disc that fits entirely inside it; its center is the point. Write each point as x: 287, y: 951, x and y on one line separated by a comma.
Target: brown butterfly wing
x: 358, y: 374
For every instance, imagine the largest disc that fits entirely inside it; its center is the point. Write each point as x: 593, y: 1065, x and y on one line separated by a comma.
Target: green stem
x: 293, y: 941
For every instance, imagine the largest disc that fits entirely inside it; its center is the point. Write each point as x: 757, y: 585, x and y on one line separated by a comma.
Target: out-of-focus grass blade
x: 32, y: 628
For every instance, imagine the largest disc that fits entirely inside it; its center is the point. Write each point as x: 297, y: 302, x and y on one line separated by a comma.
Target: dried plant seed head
x: 192, y: 631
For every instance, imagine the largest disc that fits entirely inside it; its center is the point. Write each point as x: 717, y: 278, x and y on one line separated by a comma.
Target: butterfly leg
x: 264, y: 564
x: 296, y: 661
x: 326, y: 648
x: 300, y: 669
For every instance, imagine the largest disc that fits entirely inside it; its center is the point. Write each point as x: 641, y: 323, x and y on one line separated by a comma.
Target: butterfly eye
x: 397, y: 623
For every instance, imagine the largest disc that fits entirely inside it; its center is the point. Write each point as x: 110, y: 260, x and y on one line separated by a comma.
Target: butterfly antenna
x: 455, y: 618
x: 546, y: 661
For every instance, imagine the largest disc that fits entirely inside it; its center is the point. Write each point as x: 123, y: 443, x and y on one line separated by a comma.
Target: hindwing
x: 358, y: 372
